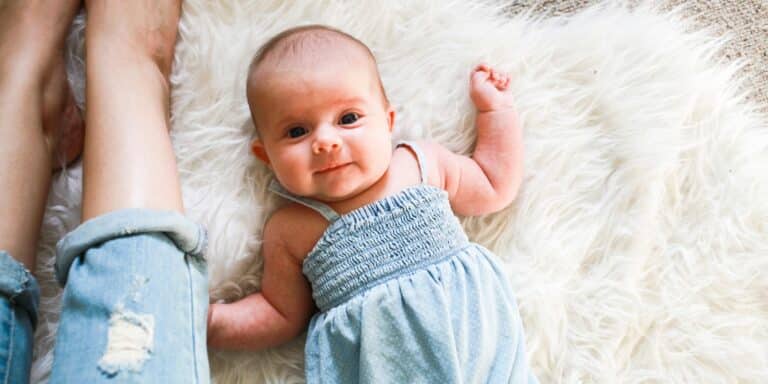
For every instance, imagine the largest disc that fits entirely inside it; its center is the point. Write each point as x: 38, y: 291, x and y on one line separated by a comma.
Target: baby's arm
x: 277, y: 314
x: 490, y: 179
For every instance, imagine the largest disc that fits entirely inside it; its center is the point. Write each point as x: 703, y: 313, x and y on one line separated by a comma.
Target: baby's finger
x: 501, y: 85
x: 494, y: 79
x: 483, y: 67
x: 478, y: 76
x: 502, y: 80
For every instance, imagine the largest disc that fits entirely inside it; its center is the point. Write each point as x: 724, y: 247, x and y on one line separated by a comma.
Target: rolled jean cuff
x: 188, y: 236
x: 19, y: 286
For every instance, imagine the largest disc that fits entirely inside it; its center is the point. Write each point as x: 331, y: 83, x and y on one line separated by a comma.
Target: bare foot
x: 63, y: 125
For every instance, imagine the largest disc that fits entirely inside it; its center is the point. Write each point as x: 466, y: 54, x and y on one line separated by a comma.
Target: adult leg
x: 128, y: 158
x: 32, y: 82
x: 33, y: 97
x: 135, y: 288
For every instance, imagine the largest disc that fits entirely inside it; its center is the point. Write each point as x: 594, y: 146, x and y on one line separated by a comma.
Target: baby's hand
x: 489, y: 89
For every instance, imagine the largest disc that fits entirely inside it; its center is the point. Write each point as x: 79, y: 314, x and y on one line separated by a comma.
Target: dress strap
x: 419, y: 158
x: 321, y: 208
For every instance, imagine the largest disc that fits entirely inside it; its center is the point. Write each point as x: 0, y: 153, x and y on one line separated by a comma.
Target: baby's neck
x: 379, y: 189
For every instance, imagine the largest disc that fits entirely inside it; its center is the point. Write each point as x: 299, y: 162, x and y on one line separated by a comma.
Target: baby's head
x: 322, y: 118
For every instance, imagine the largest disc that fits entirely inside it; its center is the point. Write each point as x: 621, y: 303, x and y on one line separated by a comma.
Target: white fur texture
x: 638, y: 246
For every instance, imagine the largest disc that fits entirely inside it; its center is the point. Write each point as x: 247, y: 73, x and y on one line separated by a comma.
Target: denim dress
x: 404, y: 297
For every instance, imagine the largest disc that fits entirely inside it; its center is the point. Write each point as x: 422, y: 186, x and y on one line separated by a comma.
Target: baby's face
x: 324, y: 131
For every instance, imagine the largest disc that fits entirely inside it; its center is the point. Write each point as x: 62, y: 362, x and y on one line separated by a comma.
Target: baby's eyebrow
x: 349, y: 101
x: 337, y: 103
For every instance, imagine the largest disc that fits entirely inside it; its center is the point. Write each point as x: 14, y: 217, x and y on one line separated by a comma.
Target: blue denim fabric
x: 19, y: 299
x: 135, y: 301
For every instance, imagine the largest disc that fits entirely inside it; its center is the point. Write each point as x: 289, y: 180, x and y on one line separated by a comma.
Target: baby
x: 369, y: 253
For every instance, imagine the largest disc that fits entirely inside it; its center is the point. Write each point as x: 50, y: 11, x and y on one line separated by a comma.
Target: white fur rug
x: 639, y: 244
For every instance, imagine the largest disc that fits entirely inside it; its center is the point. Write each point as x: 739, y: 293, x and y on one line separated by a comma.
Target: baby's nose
x: 326, y: 143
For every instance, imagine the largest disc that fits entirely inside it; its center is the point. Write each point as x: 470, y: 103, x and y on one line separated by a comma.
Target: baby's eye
x: 349, y: 118
x: 296, y: 132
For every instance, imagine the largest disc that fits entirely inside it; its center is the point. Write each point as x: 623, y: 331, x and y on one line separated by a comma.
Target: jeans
x: 135, y: 301
x: 19, y: 298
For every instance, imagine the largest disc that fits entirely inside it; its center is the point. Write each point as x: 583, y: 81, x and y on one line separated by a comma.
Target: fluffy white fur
x: 638, y: 245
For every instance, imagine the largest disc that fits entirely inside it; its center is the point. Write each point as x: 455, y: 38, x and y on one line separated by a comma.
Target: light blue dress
x: 404, y: 297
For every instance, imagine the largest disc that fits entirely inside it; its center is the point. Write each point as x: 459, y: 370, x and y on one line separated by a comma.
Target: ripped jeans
x: 19, y: 298
x: 135, y: 301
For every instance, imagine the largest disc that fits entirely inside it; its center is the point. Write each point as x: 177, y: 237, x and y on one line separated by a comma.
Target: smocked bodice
x: 400, y: 233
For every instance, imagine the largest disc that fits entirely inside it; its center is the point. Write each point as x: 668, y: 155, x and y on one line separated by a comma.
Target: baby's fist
x: 489, y: 89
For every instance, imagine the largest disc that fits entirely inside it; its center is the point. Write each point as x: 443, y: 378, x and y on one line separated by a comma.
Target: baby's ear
x: 258, y: 149
x: 391, y: 118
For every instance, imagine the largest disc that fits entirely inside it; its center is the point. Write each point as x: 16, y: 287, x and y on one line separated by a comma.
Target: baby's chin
x: 343, y: 187
x: 342, y: 193
x: 336, y: 196
x: 326, y: 195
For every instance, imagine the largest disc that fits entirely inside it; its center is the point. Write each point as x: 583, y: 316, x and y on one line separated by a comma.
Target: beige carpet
x: 744, y: 22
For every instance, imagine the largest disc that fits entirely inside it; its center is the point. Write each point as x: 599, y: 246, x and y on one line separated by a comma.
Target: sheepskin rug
x: 638, y: 246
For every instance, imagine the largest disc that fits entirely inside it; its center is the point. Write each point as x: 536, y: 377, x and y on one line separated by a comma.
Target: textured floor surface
x: 744, y: 21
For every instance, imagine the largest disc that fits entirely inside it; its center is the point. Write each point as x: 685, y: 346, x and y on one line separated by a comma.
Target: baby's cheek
x: 295, y: 185
x: 382, y: 160
x: 290, y: 173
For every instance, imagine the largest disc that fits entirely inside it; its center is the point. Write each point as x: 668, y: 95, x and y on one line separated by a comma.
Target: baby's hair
x: 289, y: 41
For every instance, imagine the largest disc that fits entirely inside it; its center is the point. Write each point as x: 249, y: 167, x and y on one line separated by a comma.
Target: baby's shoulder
x: 406, y: 161
x: 295, y: 227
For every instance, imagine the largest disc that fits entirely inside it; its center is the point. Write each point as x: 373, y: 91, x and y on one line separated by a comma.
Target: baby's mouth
x: 332, y: 167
